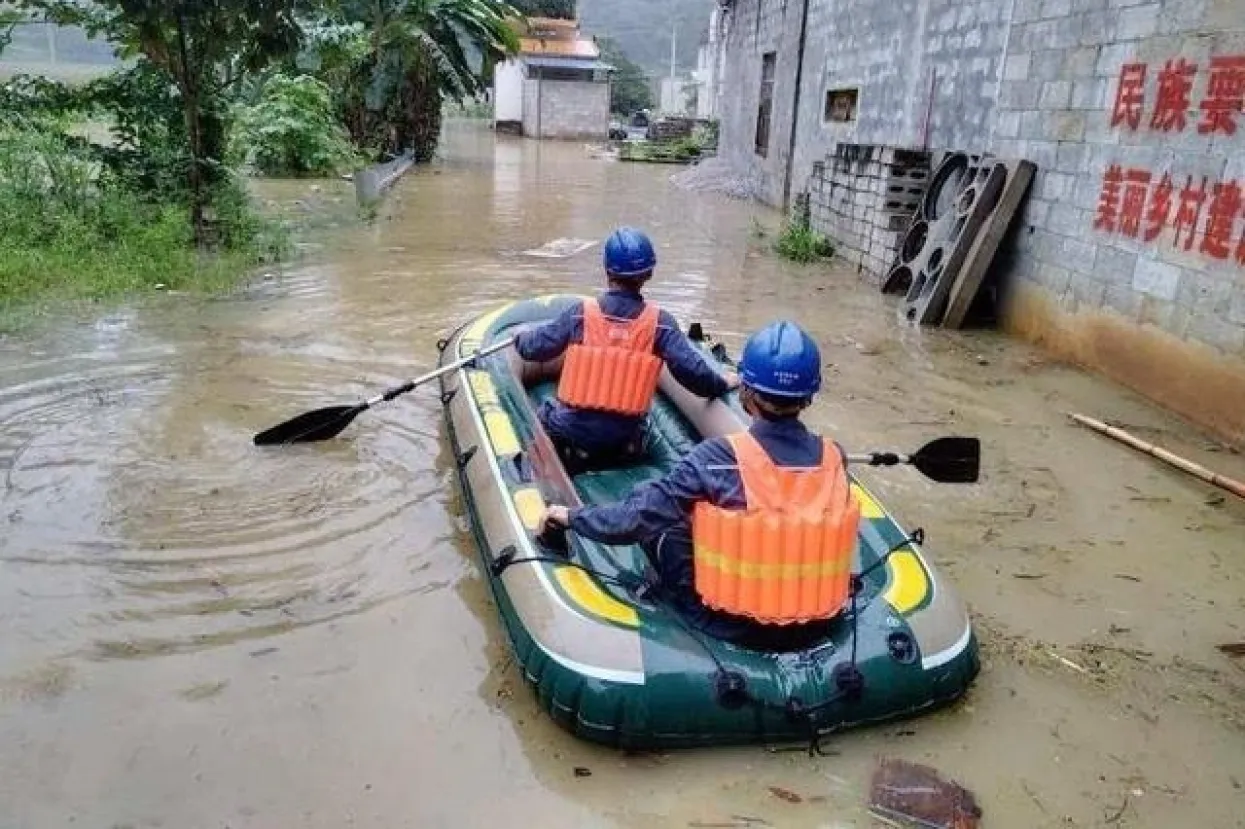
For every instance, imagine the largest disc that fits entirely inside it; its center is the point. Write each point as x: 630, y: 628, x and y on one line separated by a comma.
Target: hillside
x: 643, y: 27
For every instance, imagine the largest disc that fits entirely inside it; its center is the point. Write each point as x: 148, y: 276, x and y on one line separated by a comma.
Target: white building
x: 556, y: 87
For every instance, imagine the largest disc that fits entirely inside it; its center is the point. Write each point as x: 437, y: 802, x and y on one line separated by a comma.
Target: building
x: 1130, y: 252
x: 556, y: 87
x: 710, y: 59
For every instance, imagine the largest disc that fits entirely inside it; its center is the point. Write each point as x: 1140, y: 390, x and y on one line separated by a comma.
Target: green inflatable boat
x: 608, y: 658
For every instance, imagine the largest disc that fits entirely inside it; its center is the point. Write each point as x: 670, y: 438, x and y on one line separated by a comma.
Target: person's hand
x: 732, y: 380
x: 555, y: 517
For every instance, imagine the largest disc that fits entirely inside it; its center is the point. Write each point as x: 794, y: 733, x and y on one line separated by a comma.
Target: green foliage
x: 203, y: 49
x: 8, y: 22
x: 630, y: 91
x: 398, y: 60
x: 798, y: 241
x: 292, y: 130
x: 73, y: 231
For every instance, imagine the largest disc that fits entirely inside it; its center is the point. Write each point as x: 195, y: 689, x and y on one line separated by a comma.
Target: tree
x: 630, y: 91
x: 204, y: 47
x: 417, y: 53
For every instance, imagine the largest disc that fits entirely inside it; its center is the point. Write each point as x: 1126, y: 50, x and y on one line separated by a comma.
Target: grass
x: 800, y: 243
x: 68, y: 235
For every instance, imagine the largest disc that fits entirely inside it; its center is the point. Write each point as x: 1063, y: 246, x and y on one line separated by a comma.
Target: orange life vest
x: 614, y: 369
x: 787, y: 557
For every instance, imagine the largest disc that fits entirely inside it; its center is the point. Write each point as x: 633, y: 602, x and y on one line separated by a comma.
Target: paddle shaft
x: 879, y: 458
x: 441, y: 372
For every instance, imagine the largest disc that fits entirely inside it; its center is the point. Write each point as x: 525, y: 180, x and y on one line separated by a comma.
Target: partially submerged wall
x: 566, y: 109
x: 1132, y: 241
x: 1133, y: 255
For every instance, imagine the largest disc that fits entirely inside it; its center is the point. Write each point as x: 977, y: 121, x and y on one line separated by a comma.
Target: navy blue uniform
x: 602, y: 432
x: 658, y: 514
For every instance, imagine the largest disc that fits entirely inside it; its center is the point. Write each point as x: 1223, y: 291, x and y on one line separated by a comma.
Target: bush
x: 798, y: 241
x: 293, y: 130
x: 74, y: 229
x: 802, y: 244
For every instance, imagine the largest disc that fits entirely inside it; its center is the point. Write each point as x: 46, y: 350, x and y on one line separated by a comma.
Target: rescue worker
x: 615, y: 347
x: 754, y: 530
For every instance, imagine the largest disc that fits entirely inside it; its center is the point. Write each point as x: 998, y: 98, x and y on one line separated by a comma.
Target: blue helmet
x: 781, y: 361
x: 629, y: 254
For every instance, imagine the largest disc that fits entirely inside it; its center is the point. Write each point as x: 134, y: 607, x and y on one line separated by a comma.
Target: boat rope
x: 732, y: 690
x: 636, y: 587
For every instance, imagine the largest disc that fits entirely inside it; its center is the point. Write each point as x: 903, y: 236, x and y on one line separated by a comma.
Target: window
x: 768, y: 61
x: 841, y: 104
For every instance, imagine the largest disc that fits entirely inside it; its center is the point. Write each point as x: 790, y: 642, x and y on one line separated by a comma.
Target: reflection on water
x: 200, y: 633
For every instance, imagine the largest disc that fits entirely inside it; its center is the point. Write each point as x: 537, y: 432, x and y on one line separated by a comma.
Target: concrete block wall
x: 754, y: 28
x: 1099, y: 191
x: 566, y: 109
x: 863, y: 197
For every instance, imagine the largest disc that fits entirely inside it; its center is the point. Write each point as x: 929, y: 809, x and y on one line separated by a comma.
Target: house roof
x: 548, y: 36
x: 548, y: 62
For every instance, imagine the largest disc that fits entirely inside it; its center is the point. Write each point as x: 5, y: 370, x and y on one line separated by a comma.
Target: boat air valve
x: 732, y: 690
x: 902, y: 647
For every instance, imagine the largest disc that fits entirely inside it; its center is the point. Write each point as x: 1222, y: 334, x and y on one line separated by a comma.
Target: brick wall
x: 1106, y: 268
x: 1064, y: 66
x: 889, y: 50
x: 566, y: 109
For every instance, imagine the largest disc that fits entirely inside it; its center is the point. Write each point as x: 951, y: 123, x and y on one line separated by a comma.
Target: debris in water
x: 1067, y: 663
x: 1029, y: 575
x: 906, y: 791
x: 1233, y: 648
x: 785, y: 794
x: 560, y: 248
x: 1115, y: 818
x: 264, y: 651
x: 583, y: 771
x: 1126, y: 577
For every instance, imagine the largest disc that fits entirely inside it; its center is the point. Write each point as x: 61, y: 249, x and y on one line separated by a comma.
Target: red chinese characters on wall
x: 1134, y: 202
x: 1219, y: 102
x: 1205, y: 217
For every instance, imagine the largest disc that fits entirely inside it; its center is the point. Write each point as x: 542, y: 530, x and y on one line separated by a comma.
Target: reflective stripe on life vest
x: 786, y: 558
x: 614, y: 369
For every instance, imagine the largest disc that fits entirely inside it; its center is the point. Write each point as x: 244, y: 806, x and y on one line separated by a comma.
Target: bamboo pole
x: 1222, y: 481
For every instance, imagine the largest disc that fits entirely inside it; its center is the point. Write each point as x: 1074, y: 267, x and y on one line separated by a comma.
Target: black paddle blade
x: 950, y: 460
x: 322, y: 424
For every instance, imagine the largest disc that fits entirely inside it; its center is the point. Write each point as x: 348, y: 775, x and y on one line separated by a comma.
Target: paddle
x: 328, y: 423
x: 951, y: 460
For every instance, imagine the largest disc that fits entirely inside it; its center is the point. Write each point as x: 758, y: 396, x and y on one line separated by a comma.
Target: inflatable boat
x: 608, y: 658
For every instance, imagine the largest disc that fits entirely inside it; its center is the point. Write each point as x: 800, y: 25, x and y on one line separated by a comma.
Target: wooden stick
x: 1222, y: 481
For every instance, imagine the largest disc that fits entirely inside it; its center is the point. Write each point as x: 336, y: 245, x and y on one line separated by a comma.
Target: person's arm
x: 551, y: 339
x: 687, y: 365
x: 650, y: 509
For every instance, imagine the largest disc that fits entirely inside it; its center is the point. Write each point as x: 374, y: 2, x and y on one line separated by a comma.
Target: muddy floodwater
x: 197, y: 633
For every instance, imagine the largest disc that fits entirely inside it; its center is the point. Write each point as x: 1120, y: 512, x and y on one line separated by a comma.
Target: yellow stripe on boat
x: 474, y: 335
x: 586, y: 593
x: 501, y: 432
x: 530, y: 506
x: 869, y: 506
x: 909, y: 584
